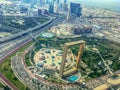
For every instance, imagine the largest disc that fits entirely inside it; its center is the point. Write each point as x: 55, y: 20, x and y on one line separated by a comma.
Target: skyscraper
x: 76, y: 9
x: 65, y: 1
x: 51, y: 8
x: 65, y: 7
x: 46, y: 1
x: 40, y: 1
x: 39, y: 11
x: 1, y: 18
x: 57, y: 1
x: 23, y: 9
x: 56, y: 8
x: 26, y: 1
x: 68, y: 14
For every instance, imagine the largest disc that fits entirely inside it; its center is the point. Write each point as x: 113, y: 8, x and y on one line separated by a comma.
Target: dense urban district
x: 58, y: 45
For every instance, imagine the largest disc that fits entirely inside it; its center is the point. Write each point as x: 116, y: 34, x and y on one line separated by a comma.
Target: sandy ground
x: 105, y: 86
x: 115, y: 82
x: 47, y: 56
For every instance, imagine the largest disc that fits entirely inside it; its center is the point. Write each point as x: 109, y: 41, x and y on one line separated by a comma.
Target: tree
x: 6, y: 88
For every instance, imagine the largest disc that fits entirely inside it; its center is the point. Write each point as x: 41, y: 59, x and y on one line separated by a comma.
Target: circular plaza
x: 50, y: 59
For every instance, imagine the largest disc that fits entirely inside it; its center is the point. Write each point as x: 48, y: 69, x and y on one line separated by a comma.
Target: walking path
x: 7, y: 82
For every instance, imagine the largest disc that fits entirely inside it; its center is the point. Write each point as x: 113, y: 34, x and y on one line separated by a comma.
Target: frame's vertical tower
x: 66, y: 46
x: 79, y: 55
x: 63, y: 60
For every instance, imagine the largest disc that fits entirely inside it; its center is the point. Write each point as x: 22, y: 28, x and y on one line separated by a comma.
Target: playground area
x: 50, y: 58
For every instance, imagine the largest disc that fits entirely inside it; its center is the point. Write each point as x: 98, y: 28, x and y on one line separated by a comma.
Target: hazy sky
x: 109, y: 4
x: 97, y: 0
x: 104, y: 2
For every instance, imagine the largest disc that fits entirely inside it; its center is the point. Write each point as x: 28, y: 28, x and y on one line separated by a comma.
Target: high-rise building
x: 56, y: 8
x: 57, y: 1
x: 1, y: 18
x: 65, y: 1
x: 68, y: 14
x: 26, y: 1
x: 51, y: 8
x: 46, y: 1
x: 39, y: 11
x: 23, y: 9
x: 41, y: 2
x: 65, y: 7
x: 45, y: 12
x: 76, y: 9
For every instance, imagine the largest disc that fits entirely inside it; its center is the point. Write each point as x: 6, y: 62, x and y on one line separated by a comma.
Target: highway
x: 11, y: 46
x: 8, y: 47
x: 8, y: 83
x: 6, y: 39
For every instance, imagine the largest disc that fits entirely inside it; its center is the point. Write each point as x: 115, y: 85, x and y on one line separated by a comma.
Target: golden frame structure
x: 73, y: 70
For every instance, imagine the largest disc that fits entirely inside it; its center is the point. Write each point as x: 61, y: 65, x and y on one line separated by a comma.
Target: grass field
x: 5, y: 69
x: 27, y: 60
x: 93, y: 66
x: 1, y: 85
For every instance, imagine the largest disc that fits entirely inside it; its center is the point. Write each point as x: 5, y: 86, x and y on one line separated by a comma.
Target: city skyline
x: 59, y: 45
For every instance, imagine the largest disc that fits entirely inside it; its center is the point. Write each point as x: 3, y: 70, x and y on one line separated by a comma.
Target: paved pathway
x: 7, y: 82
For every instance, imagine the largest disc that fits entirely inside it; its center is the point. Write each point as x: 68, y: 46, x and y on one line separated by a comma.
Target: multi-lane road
x: 7, y: 82
x: 6, y: 48
x: 10, y: 46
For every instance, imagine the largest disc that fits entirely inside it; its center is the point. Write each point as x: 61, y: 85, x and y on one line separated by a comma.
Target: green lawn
x: 109, y: 50
x: 5, y: 69
x: 41, y: 20
x: 27, y: 60
x: 14, y: 25
x: 1, y: 85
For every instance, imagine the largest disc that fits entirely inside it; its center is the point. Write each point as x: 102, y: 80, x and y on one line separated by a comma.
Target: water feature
x: 73, y: 78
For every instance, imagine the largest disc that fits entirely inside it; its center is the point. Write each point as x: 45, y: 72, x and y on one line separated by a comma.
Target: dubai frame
x: 78, y: 59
